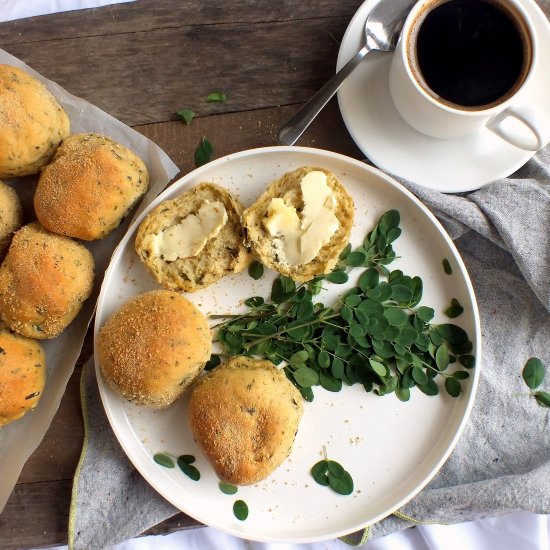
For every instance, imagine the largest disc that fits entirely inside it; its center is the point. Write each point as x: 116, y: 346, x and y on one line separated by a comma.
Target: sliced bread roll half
x: 301, y: 223
x: 192, y: 241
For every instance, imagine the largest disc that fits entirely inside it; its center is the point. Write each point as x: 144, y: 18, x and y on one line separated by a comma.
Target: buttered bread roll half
x: 153, y: 347
x: 32, y: 123
x: 301, y: 223
x: 44, y: 280
x: 22, y: 375
x: 11, y: 215
x: 194, y: 240
x: 90, y: 186
x: 244, y: 415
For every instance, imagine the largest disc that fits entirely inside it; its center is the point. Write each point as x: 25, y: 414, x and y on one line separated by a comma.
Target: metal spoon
x: 382, y: 29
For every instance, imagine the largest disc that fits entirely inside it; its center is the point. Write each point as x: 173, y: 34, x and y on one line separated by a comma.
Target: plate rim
x: 291, y: 150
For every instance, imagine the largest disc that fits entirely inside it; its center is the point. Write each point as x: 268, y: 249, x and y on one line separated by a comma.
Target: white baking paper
x: 20, y: 438
x: 19, y: 9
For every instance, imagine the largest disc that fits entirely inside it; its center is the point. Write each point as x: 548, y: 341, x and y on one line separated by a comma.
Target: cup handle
x: 533, y: 118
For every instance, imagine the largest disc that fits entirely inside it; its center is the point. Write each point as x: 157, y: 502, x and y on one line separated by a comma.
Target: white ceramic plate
x: 392, y: 449
x: 447, y: 165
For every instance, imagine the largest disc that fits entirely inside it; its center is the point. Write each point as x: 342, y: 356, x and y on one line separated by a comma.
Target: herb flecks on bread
x: 219, y: 249
x: 301, y: 223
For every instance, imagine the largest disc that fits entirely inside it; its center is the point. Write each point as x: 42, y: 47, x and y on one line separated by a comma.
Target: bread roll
x: 11, y: 215
x: 272, y: 249
x: 32, y: 123
x: 44, y: 280
x: 153, y: 347
x: 245, y: 415
x: 22, y: 375
x: 91, y: 185
x: 223, y: 253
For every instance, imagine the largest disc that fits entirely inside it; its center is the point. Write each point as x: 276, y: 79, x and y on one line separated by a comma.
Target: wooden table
x: 141, y: 62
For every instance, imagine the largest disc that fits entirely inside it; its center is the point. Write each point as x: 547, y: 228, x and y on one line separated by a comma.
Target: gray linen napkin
x: 502, y: 461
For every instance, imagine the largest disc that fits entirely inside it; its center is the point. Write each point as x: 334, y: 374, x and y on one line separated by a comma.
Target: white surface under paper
x: 18, y: 9
x: 20, y: 438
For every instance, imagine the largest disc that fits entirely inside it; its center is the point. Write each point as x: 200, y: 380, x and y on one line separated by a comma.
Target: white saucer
x: 450, y: 166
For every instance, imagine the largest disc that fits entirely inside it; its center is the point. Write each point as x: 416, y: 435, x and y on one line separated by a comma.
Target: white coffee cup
x: 511, y: 116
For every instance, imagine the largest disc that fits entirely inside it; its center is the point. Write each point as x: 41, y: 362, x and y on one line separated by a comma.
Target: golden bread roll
x: 90, y: 186
x: 301, y: 235
x: 32, y: 123
x: 44, y: 280
x: 153, y: 347
x: 244, y: 415
x: 223, y: 251
x: 11, y: 215
x: 22, y: 375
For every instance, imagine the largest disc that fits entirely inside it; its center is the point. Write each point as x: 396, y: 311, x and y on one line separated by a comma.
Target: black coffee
x: 470, y: 52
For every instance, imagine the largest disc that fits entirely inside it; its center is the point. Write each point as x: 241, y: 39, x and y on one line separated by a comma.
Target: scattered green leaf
x: 164, y: 460
x: 227, y: 488
x: 455, y: 309
x: 256, y: 270
x: 186, y: 115
x: 216, y: 97
x: 203, y: 152
x: 240, y: 509
x: 533, y: 372
x: 447, y: 266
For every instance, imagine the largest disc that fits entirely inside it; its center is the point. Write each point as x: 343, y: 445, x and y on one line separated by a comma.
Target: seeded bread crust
x: 154, y: 347
x: 90, y: 186
x: 288, y: 186
x: 244, y: 415
x: 11, y: 216
x: 44, y: 281
x: 222, y: 255
x: 32, y: 123
x: 22, y: 375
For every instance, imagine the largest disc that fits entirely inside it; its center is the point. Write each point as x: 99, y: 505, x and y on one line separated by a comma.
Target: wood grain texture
x: 145, y: 76
x: 145, y: 15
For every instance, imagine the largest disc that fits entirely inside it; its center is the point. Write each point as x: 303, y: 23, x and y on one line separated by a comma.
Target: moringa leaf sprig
x: 376, y: 334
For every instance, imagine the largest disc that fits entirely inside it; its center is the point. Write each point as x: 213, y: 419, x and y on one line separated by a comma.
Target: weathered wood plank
x: 144, y: 77
x: 156, y: 14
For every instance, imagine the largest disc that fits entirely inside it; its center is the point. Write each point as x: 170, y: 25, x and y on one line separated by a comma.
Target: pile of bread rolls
x: 87, y: 183
x: 245, y: 413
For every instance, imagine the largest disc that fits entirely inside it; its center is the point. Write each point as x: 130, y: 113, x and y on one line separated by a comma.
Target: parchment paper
x: 20, y: 438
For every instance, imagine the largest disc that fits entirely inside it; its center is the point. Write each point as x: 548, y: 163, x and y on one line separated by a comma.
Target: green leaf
x: 533, y: 372
x: 186, y: 115
x: 442, y: 357
x: 342, y: 485
x: 203, y: 152
x: 368, y: 279
x: 212, y: 363
x: 189, y: 470
x: 424, y: 313
x: 337, y: 368
x: 447, y: 266
x: 419, y: 376
x: 254, y: 301
x: 319, y: 472
x: 352, y: 300
x: 467, y: 361
x: 304, y: 311
x: 227, y: 488
x: 430, y: 387
x: 378, y: 367
x: 461, y: 374
x: 455, y: 309
x: 306, y: 377
x: 164, y: 460
x: 388, y: 221
x: 256, y: 270
x: 453, y: 334
x: 543, y: 398
x: 337, y: 277
x: 393, y: 234
x: 188, y: 459
x: 329, y: 382
x: 395, y: 316
x: 345, y: 253
x: 240, y: 510
x: 403, y: 394
x: 401, y: 293
x: 216, y: 97
x: 323, y: 359
x: 356, y: 258
x: 335, y: 468
x: 452, y: 385
x: 299, y: 357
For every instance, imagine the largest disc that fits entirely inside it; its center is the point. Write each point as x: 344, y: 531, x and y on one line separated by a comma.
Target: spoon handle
x: 295, y: 127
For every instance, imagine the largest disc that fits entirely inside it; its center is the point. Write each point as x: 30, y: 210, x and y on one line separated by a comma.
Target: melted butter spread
x: 187, y: 238
x: 299, y: 237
